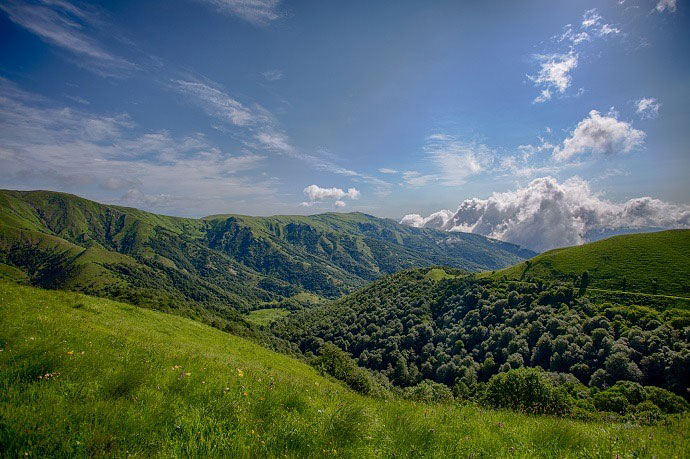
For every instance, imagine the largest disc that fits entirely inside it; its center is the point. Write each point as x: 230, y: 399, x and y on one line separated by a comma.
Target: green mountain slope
x: 654, y: 263
x: 213, y: 266
x: 458, y: 330
x: 84, y: 377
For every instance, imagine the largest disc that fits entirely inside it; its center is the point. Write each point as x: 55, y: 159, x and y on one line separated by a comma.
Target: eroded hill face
x: 215, y: 266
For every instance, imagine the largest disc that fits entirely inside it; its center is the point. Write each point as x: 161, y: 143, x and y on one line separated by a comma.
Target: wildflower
x: 240, y: 373
x: 203, y: 382
x: 244, y: 394
x: 70, y: 352
x: 188, y: 374
x: 252, y: 431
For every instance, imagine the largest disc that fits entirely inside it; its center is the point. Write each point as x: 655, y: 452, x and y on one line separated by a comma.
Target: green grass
x: 438, y: 274
x: 82, y: 376
x: 266, y: 316
x: 629, y: 262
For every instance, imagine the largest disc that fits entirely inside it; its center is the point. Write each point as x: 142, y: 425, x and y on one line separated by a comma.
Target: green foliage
x: 429, y: 392
x: 409, y: 327
x: 528, y: 390
x: 338, y: 364
x: 156, y: 385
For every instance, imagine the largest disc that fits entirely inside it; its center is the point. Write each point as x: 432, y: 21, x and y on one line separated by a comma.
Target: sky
x: 539, y: 122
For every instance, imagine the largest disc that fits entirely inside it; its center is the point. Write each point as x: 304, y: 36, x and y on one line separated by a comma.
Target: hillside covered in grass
x: 83, y: 376
x: 212, y: 267
x: 653, y: 263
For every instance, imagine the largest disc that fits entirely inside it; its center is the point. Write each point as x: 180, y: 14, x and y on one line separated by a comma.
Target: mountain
x: 456, y: 329
x: 210, y: 268
x: 461, y: 329
x: 85, y: 377
x: 653, y: 263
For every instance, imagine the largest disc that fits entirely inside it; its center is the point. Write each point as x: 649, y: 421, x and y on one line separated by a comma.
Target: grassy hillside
x: 653, y: 263
x: 81, y: 376
x: 209, y: 268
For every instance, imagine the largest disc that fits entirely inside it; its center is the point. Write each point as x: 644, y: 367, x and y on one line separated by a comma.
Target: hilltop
x: 210, y: 268
x: 654, y: 263
x: 84, y: 376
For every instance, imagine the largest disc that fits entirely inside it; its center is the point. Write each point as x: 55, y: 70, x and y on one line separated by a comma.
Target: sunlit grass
x: 82, y: 376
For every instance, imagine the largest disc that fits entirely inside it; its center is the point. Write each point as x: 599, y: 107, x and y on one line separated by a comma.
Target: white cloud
x: 64, y: 25
x: 340, y: 204
x: 273, y: 75
x: 385, y: 170
x: 217, y: 103
x: 647, y: 107
x: 456, y: 160
x: 600, y: 134
x: 590, y: 19
x: 547, y: 214
x: 257, y: 12
x: 74, y: 150
x: 317, y: 193
x: 573, y: 37
x: 554, y: 73
x: 663, y: 5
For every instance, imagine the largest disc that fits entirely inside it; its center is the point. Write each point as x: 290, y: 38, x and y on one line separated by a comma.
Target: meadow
x: 83, y: 377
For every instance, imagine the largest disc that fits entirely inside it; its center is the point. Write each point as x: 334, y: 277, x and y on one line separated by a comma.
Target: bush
x: 668, y: 402
x: 338, y: 364
x: 646, y: 413
x: 528, y: 390
x: 611, y: 400
x: 429, y: 391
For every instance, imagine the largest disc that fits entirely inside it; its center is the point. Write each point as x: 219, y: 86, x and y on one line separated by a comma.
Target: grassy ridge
x: 652, y: 263
x: 82, y: 376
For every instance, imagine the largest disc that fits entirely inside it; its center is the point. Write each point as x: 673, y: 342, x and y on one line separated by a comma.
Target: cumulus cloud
x: 546, y: 214
x: 666, y: 5
x: 385, y: 170
x: 647, y: 107
x: 600, y: 134
x: 554, y: 73
x: 317, y: 193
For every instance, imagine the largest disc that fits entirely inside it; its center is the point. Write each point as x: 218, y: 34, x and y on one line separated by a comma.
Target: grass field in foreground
x: 83, y: 376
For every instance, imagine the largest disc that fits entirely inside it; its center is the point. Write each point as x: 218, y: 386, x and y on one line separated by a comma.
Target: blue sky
x: 194, y: 107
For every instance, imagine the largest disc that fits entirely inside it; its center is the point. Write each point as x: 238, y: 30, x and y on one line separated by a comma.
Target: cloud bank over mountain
x: 546, y: 214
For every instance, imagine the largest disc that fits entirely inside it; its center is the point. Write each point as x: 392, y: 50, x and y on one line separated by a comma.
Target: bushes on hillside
x: 529, y: 390
x: 338, y: 364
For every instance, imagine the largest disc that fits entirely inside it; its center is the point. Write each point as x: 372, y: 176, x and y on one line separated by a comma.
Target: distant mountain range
x: 218, y: 265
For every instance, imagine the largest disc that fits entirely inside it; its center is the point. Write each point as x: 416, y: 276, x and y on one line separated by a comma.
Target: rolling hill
x: 653, y: 263
x: 84, y: 377
x: 212, y: 267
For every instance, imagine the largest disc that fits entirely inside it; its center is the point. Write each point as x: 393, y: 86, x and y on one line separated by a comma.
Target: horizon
x: 536, y: 126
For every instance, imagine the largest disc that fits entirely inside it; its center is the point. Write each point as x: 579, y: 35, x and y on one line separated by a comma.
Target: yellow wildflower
x: 70, y: 352
x: 240, y: 373
x: 244, y: 394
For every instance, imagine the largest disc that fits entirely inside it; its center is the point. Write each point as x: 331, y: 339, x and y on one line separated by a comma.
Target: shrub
x: 528, y: 390
x: 668, y: 402
x: 646, y: 413
x: 338, y: 364
x: 611, y: 400
x: 429, y: 391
